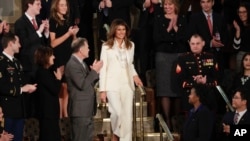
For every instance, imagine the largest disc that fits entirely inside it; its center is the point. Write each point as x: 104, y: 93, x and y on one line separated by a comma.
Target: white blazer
x: 110, y: 73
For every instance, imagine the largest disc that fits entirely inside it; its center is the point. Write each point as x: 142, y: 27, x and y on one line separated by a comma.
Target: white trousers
x: 121, y: 112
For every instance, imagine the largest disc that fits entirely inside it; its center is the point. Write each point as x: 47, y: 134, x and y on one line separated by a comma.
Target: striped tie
x: 236, y: 116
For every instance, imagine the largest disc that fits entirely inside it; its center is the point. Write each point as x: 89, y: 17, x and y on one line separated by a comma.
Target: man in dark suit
x: 80, y: 82
x: 213, y: 30
x: 13, y: 87
x: 241, y: 114
x: 32, y: 33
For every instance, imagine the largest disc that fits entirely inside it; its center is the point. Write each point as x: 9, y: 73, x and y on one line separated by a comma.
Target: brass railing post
x: 134, y: 118
x: 143, y: 93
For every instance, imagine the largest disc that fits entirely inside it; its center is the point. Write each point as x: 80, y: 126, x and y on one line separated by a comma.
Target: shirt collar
x: 8, y: 56
x: 80, y: 60
x: 116, y: 44
x: 241, y: 113
x: 206, y: 14
x: 29, y: 17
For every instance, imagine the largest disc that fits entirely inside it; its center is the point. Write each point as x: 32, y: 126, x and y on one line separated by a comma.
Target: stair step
x: 103, y: 126
x: 147, y: 137
x: 156, y: 137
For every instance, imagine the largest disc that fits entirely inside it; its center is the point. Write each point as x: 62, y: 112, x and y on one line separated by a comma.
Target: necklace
x: 244, y: 79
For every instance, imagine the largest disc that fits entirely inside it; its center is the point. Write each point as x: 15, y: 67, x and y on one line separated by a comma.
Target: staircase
x: 144, y: 126
x: 102, y: 126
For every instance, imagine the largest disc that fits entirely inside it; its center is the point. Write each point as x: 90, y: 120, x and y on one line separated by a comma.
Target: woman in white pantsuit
x: 117, y: 78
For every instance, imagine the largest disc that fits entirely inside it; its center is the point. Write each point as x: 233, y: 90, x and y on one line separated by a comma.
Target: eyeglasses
x: 236, y: 97
x: 242, y: 12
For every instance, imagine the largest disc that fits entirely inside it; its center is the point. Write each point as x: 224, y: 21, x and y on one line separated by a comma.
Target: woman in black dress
x: 242, y: 79
x: 241, y: 41
x: 169, y: 38
x: 61, y: 36
x: 48, y: 87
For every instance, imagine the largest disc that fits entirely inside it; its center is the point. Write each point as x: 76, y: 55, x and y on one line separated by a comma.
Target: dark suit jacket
x: 11, y: 80
x: 120, y: 9
x: 29, y: 40
x: 199, y: 126
x: 198, y: 24
x: 48, y: 88
x: 81, y: 89
x: 196, y: 7
x: 229, y: 120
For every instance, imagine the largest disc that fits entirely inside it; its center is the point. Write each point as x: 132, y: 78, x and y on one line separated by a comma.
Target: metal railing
x: 142, y: 95
x: 164, y: 126
x: 224, y: 96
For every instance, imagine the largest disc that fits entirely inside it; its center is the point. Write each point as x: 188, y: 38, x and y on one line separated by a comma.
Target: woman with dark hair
x: 242, y: 79
x: 117, y: 78
x: 48, y: 87
x: 61, y: 36
x: 200, y: 123
x: 241, y: 40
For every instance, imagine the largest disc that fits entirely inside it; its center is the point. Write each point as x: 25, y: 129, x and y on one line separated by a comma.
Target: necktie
x: 85, y: 66
x: 210, y: 26
x: 151, y: 8
x: 34, y: 24
x: 236, y: 116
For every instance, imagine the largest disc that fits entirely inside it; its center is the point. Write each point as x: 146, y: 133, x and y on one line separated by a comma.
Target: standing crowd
x: 48, y: 68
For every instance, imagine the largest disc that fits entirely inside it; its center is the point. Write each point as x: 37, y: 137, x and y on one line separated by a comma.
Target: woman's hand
x: 103, y: 97
x: 137, y: 81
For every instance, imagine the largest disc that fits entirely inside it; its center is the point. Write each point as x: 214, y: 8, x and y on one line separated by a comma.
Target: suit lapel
x: 204, y: 21
x: 243, y: 118
x: 79, y: 63
x: 215, y: 19
x: 29, y: 23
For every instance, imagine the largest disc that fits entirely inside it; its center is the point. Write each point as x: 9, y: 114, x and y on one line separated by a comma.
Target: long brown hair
x: 54, y: 10
x: 111, y: 35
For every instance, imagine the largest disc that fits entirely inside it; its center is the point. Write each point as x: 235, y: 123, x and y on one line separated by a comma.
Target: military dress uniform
x: 11, y: 82
x: 190, y: 65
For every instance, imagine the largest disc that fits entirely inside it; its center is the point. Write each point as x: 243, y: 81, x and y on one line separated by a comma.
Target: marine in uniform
x: 196, y: 67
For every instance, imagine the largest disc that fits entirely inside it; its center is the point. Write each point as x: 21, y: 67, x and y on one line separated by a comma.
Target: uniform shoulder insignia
x: 178, y: 69
x: 1, y: 57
